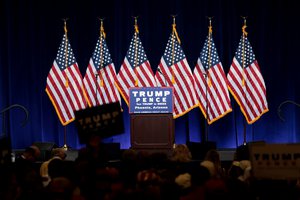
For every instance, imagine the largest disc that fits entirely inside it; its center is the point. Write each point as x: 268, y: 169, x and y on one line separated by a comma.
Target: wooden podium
x: 151, y: 119
x: 152, y: 132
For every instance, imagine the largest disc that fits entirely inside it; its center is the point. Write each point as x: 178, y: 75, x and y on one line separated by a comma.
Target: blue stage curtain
x: 31, y: 32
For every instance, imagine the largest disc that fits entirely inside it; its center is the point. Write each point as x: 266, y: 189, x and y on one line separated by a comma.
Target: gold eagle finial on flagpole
x: 174, y: 28
x: 244, y: 26
x: 102, y: 32
x: 136, y: 27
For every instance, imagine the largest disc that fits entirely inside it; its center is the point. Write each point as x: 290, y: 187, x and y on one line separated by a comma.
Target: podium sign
x: 151, y: 100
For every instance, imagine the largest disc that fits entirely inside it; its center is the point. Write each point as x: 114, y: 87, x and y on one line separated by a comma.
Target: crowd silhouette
x: 137, y: 175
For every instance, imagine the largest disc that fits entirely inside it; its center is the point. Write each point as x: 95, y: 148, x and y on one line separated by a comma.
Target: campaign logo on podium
x: 151, y: 100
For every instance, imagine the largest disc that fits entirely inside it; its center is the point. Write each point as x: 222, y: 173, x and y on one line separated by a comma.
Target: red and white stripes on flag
x: 174, y: 71
x: 135, y: 70
x: 246, y: 83
x: 64, y: 84
x: 211, y: 83
x: 99, y: 80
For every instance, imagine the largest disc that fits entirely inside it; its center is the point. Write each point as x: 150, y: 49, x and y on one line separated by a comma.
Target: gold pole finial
x: 135, y: 20
x: 244, y: 27
x: 174, y: 19
x: 136, y: 27
x: 102, y: 32
x: 65, y: 25
x: 210, y: 26
x: 174, y: 29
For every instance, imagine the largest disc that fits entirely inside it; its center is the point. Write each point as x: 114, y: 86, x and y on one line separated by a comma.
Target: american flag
x: 211, y: 83
x: 135, y: 70
x: 246, y: 83
x: 64, y: 84
x: 174, y: 71
x: 100, y: 77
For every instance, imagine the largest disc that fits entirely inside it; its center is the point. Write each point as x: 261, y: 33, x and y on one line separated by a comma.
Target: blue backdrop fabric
x: 31, y: 31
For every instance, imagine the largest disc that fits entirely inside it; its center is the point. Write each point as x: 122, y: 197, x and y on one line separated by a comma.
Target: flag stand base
x: 66, y: 147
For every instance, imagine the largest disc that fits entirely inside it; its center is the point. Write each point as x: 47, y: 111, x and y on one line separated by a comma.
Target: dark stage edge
x: 226, y: 154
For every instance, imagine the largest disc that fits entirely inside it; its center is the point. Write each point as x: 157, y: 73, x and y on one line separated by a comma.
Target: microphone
x: 17, y: 106
x: 159, y: 70
x: 282, y: 103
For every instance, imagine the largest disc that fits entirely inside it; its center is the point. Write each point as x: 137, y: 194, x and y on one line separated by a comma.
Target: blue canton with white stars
x: 249, y: 56
x: 204, y: 55
x: 172, y: 56
x: 64, y: 51
x: 136, y: 54
x: 101, y: 54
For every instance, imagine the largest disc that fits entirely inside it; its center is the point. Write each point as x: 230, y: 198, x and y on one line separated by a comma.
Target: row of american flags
x: 206, y: 87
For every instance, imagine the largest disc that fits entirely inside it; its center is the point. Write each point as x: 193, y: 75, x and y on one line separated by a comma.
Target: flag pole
x: 66, y: 51
x: 208, y: 81
x: 244, y: 75
x: 98, y: 73
x: 175, y: 34
x: 102, y: 35
x: 65, y: 146
x: 136, y: 31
